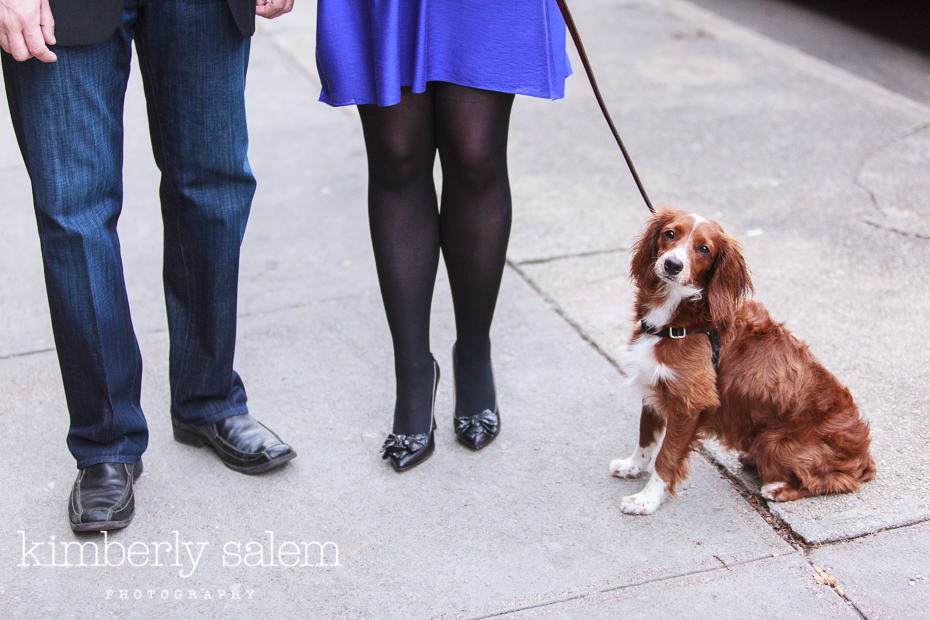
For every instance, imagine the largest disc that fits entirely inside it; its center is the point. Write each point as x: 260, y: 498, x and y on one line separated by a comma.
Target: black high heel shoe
x: 478, y: 430
x: 407, y: 451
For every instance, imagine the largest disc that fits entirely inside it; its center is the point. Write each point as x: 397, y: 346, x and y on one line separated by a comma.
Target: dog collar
x: 679, y: 332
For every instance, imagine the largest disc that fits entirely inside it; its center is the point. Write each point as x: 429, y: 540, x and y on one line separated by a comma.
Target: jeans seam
x: 188, y: 332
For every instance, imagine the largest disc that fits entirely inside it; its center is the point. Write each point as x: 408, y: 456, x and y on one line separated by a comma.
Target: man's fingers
x: 47, y: 23
x: 269, y: 9
x: 35, y: 43
x: 16, y: 46
x: 26, y: 28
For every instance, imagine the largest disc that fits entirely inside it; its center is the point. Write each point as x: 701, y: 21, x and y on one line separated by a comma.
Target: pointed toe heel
x: 477, y: 431
x: 407, y: 451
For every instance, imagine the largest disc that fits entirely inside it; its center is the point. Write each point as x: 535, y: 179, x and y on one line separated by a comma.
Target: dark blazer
x: 85, y: 22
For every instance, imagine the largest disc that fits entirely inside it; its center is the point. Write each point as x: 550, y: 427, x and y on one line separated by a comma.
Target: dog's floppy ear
x: 646, y: 248
x: 730, y: 282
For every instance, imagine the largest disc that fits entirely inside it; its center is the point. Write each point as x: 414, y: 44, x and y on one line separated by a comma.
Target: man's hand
x: 27, y: 29
x: 269, y: 9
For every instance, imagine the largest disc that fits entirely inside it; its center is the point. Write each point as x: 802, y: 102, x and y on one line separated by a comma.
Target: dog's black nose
x: 673, y: 266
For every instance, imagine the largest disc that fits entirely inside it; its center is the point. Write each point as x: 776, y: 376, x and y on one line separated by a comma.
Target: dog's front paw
x: 625, y: 468
x: 641, y: 503
x: 646, y: 501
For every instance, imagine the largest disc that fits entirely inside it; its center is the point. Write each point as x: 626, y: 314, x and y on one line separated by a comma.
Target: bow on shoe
x: 484, y: 422
x: 396, y: 445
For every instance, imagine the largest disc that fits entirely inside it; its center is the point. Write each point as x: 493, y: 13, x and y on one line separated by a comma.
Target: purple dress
x: 368, y: 49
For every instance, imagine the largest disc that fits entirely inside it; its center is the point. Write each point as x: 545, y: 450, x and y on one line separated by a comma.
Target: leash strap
x: 677, y: 333
x: 576, y: 37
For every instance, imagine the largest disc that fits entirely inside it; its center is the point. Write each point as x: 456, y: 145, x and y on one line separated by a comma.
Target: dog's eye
x: 669, y: 234
x: 704, y: 249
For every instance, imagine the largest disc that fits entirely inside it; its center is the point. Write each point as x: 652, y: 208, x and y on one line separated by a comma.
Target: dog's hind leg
x: 818, y: 484
x: 651, y: 432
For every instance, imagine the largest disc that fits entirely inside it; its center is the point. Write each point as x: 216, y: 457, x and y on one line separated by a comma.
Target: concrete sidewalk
x: 822, y: 175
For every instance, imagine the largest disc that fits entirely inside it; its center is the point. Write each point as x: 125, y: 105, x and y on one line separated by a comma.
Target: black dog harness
x: 678, y: 333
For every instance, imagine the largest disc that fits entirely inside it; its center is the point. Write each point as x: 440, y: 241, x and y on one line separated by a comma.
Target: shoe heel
x: 187, y: 438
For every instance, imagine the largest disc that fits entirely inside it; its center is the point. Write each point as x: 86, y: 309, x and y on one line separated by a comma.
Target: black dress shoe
x: 102, y: 497
x: 478, y: 430
x: 243, y: 443
x: 407, y: 451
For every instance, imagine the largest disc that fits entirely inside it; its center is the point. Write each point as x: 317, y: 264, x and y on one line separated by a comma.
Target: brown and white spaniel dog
x: 710, y: 361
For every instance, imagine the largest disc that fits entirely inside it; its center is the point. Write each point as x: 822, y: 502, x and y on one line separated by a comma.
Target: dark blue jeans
x: 68, y: 118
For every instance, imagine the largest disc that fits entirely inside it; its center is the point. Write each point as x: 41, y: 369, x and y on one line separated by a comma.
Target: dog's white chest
x: 644, y: 369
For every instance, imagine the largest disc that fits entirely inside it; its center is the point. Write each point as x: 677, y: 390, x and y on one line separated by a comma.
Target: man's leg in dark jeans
x: 68, y: 117
x: 194, y: 62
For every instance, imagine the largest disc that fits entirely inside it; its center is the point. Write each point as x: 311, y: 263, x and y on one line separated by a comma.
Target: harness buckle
x: 677, y: 333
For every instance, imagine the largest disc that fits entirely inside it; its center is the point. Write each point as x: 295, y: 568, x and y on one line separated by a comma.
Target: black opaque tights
x: 468, y: 127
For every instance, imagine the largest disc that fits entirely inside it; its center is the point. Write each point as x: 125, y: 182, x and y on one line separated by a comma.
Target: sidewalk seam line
x: 558, y: 257
x: 888, y: 528
x: 637, y: 584
x: 872, y: 154
x: 26, y: 353
x: 587, y: 338
x: 244, y: 315
x: 892, y: 229
x: 781, y: 528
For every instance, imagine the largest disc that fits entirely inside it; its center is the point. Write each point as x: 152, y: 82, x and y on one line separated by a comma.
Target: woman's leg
x: 404, y: 223
x: 471, y: 133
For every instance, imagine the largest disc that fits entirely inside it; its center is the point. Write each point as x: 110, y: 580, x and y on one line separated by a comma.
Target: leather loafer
x: 102, y: 497
x: 243, y: 443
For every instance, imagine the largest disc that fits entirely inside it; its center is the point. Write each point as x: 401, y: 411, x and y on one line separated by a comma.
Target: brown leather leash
x: 576, y: 37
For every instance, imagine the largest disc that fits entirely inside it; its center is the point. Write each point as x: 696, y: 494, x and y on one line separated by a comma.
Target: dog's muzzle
x: 672, y: 266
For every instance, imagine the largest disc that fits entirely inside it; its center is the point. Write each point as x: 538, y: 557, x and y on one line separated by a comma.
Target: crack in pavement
x: 873, y: 153
x: 824, y: 578
x: 558, y: 257
x: 626, y: 586
x: 897, y: 231
x: 551, y: 302
x: 10, y: 356
x: 243, y: 315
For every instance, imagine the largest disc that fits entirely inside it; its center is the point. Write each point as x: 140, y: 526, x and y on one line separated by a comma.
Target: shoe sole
x: 258, y: 469
x: 473, y: 447
x: 100, y: 526
x: 190, y: 439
